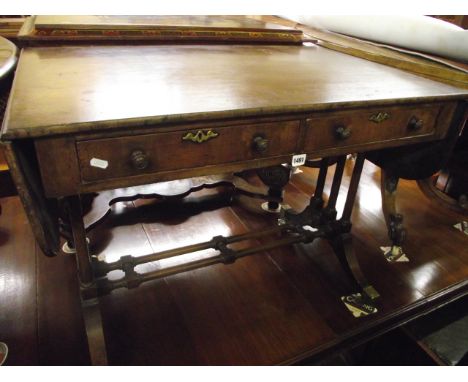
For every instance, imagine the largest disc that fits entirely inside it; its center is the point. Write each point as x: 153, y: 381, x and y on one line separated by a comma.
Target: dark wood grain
x: 41, y: 212
x: 233, y: 149
x: 18, y: 289
x: 60, y: 325
x: 169, y: 151
x: 367, y: 209
x: 260, y: 309
x: 59, y: 158
x: 275, y: 307
x: 322, y: 131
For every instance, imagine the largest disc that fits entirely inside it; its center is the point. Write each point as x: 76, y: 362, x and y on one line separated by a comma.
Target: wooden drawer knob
x: 260, y: 144
x: 342, y: 132
x: 415, y: 123
x: 139, y: 159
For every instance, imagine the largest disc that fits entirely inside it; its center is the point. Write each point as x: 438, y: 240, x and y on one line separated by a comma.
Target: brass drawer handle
x: 379, y: 117
x: 139, y: 159
x: 260, y: 144
x: 200, y: 136
x: 342, y: 132
x: 415, y: 123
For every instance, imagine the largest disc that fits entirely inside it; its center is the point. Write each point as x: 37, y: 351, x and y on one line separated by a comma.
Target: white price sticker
x: 99, y: 163
x: 298, y: 160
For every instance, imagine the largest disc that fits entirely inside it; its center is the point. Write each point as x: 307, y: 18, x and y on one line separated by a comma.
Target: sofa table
x: 124, y: 120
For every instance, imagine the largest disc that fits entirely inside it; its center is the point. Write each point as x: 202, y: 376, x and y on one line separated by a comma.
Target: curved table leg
x: 342, y: 241
x: 344, y: 250
x: 90, y: 301
x: 337, y: 232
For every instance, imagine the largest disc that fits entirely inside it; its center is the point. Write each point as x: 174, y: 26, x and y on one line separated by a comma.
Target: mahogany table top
x: 81, y: 89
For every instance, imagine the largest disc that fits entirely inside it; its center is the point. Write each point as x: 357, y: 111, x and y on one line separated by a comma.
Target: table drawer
x: 369, y: 127
x: 141, y: 154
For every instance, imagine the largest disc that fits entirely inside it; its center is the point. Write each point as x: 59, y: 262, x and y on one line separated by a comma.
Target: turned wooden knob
x: 415, y: 123
x: 260, y: 144
x: 139, y: 159
x: 342, y: 132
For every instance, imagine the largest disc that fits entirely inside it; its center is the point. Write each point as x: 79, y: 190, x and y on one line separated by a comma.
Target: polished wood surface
x: 213, y: 315
x: 41, y: 211
x: 234, y: 148
x: 361, y: 128
x: 246, y: 107
x: 98, y: 88
x: 170, y: 151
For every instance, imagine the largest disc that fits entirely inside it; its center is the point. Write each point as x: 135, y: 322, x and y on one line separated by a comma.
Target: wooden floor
x: 279, y: 307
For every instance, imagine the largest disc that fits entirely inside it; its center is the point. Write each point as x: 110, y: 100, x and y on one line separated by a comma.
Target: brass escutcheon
x: 200, y: 136
x: 379, y: 117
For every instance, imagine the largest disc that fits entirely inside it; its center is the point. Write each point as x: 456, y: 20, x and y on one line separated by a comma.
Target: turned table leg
x: 90, y: 302
x: 276, y: 178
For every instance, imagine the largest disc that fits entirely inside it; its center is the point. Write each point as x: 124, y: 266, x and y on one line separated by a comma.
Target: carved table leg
x: 90, y: 302
x: 394, y: 220
x: 276, y: 178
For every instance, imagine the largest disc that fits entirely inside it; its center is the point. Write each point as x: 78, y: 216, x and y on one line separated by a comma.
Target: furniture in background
x: 460, y: 20
x: 430, y: 66
x: 60, y: 30
x: 10, y: 26
x: 449, y: 187
x: 8, y: 58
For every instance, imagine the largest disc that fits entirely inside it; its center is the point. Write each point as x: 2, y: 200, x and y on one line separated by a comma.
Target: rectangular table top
x: 90, y: 88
